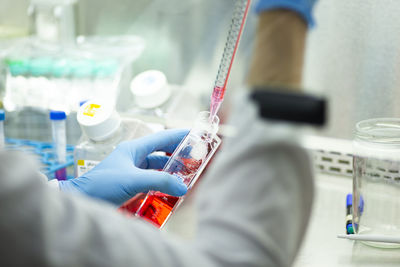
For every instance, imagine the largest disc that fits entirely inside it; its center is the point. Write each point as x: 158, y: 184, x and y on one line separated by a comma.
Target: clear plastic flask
x: 187, y: 162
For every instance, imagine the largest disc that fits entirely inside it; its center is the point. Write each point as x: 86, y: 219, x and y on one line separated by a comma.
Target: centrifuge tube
x: 2, y: 118
x: 59, y: 141
x: 187, y: 162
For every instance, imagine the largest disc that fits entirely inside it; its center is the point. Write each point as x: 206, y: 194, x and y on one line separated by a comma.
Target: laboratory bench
x: 320, y: 247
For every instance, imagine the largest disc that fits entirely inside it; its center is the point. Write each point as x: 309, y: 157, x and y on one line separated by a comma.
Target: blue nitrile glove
x: 127, y: 170
x: 303, y: 7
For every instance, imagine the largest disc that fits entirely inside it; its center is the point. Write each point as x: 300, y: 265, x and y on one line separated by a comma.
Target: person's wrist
x: 278, y: 55
x: 302, y: 7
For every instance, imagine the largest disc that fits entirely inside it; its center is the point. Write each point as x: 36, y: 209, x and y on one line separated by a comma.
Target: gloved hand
x: 127, y: 170
x: 303, y: 7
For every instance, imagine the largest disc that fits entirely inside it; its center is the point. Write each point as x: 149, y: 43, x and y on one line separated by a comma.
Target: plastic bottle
x: 103, y: 129
x: 151, y: 92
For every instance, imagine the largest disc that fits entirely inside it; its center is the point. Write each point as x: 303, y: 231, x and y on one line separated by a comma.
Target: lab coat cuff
x: 54, y: 184
x: 299, y: 7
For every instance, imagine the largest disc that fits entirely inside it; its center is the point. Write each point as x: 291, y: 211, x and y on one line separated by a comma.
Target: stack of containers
x: 16, y: 83
x: 39, y: 84
x: 57, y: 83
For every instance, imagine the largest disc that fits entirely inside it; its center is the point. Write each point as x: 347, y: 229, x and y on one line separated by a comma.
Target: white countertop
x: 321, y: 247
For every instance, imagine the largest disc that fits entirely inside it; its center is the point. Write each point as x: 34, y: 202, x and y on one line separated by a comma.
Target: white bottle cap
x: 150, y: 89
x: 98, y: 120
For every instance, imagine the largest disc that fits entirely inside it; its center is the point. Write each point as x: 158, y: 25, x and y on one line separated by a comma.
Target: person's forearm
x: 278, y: 51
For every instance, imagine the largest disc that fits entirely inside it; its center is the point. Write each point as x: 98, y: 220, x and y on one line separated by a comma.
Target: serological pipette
x: 238, y: 21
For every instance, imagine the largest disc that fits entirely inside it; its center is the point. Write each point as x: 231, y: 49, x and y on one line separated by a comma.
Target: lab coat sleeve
x: 257, y: 198
x: 253, y: 209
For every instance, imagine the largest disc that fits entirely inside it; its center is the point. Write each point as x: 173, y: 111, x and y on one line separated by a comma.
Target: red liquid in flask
x: 157, y: 206
x: 131, y: 206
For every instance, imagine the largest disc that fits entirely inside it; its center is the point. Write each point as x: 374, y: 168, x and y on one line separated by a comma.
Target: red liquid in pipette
x: 222, y: 77
x: 216, y: 100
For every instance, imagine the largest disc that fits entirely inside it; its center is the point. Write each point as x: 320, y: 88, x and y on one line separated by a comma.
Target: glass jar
x: 376, y: 179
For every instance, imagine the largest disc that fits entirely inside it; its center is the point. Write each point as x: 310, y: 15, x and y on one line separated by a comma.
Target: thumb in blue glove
x: 128, y: 170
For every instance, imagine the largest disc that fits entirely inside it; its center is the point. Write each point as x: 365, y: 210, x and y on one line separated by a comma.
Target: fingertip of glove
x: 180, y: 187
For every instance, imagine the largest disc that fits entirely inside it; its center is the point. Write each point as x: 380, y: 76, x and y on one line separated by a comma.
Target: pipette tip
x: 214, y: 107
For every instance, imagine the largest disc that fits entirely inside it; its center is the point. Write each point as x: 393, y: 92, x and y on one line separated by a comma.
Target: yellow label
x: 90, y: 110
x: 81, y: 162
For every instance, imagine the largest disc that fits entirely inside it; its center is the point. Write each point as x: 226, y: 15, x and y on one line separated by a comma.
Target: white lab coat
x: 253, y: 208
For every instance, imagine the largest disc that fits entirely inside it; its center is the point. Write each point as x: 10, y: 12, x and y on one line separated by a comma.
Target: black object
x: 289, y: 106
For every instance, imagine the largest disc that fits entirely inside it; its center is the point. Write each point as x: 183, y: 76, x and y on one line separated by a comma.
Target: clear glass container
x: 187, y: 162
x: 376, y: 179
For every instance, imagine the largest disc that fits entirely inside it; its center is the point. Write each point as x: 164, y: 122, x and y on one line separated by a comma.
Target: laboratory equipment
x: 54, y: 20
x: 60, y: 84
x: 231, y: 46
x: 376, y: 179
x: 187, y: 162
x: 16, y: 82
x: 151, y: 92
x: 60, y: 141
x: 105, y: 79
x: 2, y: 118
x: 38, y: 81
x: 44, y: 152
x: 47, y: 76
x: 103, y: 129
x: 372, y: 238
x: 349, y: 214
x: 82, y: 72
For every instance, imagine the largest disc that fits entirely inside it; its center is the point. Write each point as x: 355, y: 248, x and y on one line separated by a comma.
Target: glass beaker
x: 376, y: 179
x: 188, y: 161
